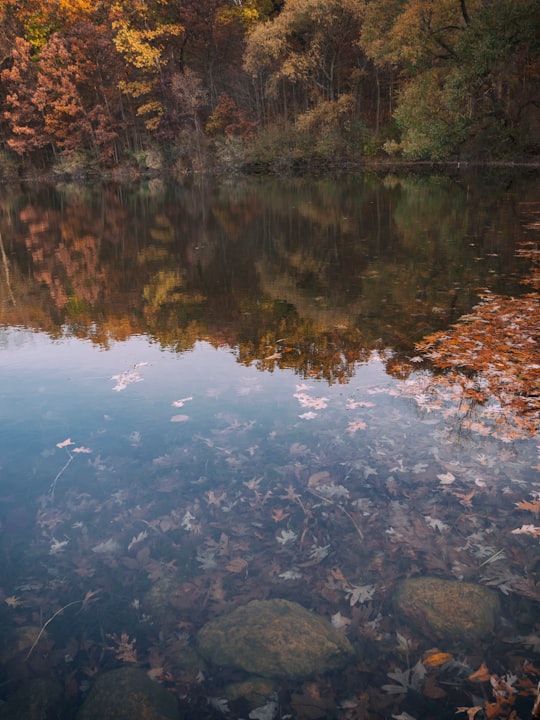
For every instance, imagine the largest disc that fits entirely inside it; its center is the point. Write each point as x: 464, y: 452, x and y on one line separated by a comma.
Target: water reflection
x: 153, y: 478
x: 333, y: 267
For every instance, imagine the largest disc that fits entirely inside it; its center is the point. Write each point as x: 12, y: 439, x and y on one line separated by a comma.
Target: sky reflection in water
x: 131, y: 466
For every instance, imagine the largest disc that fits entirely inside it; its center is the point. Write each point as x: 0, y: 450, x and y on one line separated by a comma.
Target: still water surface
x: 214, y: 390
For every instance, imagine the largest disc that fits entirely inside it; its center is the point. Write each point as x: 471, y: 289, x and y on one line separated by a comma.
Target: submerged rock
x: 19, y: 640
x: 448, y: 609
x: 255, y: 691
x: 35, y: 700
x: 274, y: 638
x: 126, y: 694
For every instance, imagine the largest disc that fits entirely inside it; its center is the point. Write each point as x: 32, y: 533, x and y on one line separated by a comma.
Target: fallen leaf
x: 471, y: 711
x: 446, y: 478
x: 237, y: 565
x: 434, y: 658
x: 480, y: 675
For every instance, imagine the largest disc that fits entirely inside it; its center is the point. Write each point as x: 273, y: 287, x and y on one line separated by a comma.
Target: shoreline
x: 127, y: 174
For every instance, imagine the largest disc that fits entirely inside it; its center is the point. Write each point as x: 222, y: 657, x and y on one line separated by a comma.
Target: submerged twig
x: 340, y: 507
x: 44, y: 626
x: 60, y: 473
x: 89, y: 598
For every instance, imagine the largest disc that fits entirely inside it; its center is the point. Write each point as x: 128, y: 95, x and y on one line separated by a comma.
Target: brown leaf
x: 480, y: 675
x: 531, y: 505
x: 471, y: 711
x: 431, y: 689
x: 237, y: 565
x: 318, y: 478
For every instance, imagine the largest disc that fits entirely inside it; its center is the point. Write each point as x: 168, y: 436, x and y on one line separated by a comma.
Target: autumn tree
x: 25, y: 125
x: 145, y: 34
x: 458, y: 61
x: 308, y: 53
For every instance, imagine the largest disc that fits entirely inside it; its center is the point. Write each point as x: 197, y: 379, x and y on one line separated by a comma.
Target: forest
x: 138, y: 86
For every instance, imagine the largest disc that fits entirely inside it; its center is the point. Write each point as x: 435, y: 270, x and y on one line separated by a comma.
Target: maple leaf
x: 305, y: 400
x: 465, y: 498
x: 220, y: 704
x: 57, y: 546
x: 291, y: 495
x: 319, y: 552
x: 292, y: 574
x: 355, y: 425
x: 126, y: 378
x: 13, y: 601
x: 286, y: 536
x: 123, y: 647
x: 359, y: 593
x: 406, y: 679
x: 436, y: 524
x: 215, y: 499
x: 279, y: 514
x: 446, y: 478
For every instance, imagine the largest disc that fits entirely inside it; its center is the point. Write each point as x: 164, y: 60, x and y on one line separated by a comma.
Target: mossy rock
x: 448, y: 609
x: 274, y: 638
x: 35, y: 700
x: 255, y: 691
x: 19, y: 640
x: 125, y: 694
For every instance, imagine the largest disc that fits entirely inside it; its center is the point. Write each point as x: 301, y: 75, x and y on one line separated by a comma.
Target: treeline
x: 138, y: 84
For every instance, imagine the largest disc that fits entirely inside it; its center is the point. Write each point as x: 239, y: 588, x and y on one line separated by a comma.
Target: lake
x: 311, y: 389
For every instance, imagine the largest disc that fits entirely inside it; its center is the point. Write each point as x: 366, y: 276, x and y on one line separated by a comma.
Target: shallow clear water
x: 215, y: 390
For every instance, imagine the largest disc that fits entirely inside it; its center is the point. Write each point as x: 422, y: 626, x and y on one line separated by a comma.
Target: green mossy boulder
x: 36, y: 699
x: 274, y: 638
x: 126, y: 694
x: 448, y: 609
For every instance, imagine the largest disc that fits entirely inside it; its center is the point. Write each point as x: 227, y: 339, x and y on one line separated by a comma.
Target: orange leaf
x: 480, y: 675
x: 278, y: 515
x: 471, y: 712
x: 532, y: 505
x: 434, y: 657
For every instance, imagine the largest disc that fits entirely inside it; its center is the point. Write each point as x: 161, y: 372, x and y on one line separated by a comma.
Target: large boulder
x: 274, y: 638
x: 448, y: 609
x: 36, y: 699
x: 125, y: 694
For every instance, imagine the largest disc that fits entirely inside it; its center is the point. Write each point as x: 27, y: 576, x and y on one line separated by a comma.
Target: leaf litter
x: 330, y: 517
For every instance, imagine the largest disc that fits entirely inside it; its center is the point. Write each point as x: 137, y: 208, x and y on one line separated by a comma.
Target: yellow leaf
x: 434, y: 658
